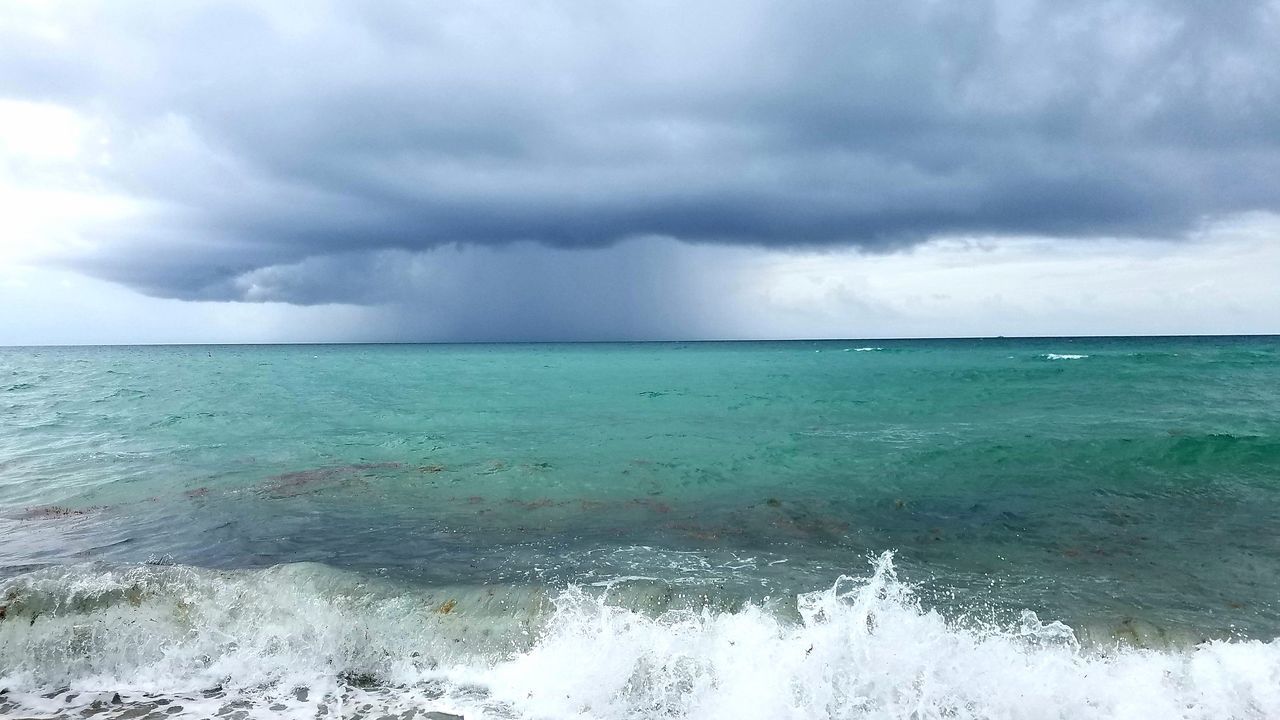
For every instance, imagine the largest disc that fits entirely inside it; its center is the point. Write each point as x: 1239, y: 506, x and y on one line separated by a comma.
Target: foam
x: 863, y: 648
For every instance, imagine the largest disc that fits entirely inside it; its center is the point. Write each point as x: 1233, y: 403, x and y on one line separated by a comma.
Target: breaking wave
x: 306, y: 640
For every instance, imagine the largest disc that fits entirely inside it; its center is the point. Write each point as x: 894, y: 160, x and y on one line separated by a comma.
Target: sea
x: 978, y: 528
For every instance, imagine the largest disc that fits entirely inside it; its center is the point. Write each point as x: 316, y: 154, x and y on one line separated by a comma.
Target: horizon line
x: 318, y: 343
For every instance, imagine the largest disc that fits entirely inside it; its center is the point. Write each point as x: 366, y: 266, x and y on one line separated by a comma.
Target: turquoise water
x: 1126, y: 491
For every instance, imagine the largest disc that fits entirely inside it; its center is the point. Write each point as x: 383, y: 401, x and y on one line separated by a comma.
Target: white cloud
x: 48, y: 197
x: 1221, y: 281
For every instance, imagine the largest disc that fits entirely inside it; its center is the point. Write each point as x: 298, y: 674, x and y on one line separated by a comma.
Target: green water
x: 1093, y: 479
x: 643, y: 530
x: 1139, y: 483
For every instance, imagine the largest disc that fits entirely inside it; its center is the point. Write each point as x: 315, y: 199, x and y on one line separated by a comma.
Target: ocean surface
x: 995, y: 528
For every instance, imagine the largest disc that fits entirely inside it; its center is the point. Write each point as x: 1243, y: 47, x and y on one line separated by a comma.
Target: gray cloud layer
x: 264, y: 137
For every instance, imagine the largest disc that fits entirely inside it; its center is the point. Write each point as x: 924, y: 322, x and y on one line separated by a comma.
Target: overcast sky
x: 239, y: 171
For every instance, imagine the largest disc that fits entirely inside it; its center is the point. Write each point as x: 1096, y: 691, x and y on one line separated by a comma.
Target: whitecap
x: 306, y: 640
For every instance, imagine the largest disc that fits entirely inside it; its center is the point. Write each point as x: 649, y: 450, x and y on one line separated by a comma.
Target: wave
x: 1056, y: 356
x: 305, y: 640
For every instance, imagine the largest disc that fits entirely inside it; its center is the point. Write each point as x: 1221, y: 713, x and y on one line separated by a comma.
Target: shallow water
x: 460, y: 528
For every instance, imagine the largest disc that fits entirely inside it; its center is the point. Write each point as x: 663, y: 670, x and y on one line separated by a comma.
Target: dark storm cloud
x: 263, y: 136
x: 634, y: 290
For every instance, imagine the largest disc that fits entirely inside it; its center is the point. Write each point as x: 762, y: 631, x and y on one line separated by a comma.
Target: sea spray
x: 866, y: 648
x: 299, y: 638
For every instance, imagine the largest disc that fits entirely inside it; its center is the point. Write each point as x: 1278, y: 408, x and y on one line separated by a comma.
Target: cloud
x: 48, y: 306
x: 1219, y: 280
x: 251, y: 137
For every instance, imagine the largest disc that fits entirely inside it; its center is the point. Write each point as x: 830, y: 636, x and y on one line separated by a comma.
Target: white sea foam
x: 868, y: 349
x: 863, y: 648
x: 1056, y: 356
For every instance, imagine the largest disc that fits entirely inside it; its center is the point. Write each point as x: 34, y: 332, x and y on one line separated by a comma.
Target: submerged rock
x: 363, y: 680
x: 45, y: 512
x: 302, y: 482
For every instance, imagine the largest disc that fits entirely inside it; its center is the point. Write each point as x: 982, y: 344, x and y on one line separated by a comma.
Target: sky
x: 552, y: 170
